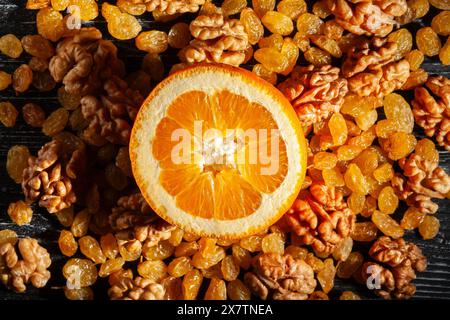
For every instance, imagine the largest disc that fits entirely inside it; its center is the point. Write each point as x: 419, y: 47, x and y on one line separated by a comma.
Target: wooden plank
x: 432, y: 284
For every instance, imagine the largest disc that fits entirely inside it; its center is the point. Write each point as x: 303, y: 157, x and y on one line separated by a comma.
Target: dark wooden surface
x: 432, y: 284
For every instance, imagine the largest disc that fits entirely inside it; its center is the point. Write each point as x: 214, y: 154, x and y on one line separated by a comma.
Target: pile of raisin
x: 358, y: 152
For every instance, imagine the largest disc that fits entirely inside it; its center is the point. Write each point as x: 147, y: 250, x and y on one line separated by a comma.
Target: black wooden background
x: 14, y: 18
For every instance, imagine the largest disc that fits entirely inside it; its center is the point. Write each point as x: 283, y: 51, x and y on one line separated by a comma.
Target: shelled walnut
x: 136, y: 289
x: 314, y: 92
x: 84, y: 60
x: 216, y: 39
x: 133, y: 219
x: 320, y: 219
x: 421, y: 181
x: 171, y: 7
x: 110, y: 116
x: 49, y: 177
x: 32, y: 268
x: 397, y: 262
x: 433, y: 114
x: 370, y: 18
x: 287, y: 278
x: 371, y: 68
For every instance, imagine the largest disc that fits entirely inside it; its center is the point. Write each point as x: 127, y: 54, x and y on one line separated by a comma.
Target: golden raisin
x: 115, y: 177
x: 349, y: 295
x: 326, y: 275
x: 356, y: 202
x: 277, y: 22
x: 10, y: 46
x: 427, y: 150
x: 43, y: 81
x: 132, y: 7
x: 387, y: 225
x: 191, y: 284
x: 355, y: 180
x: 292, y: 8
x: 404, y: 40
x: 264, y: 73
x: 201, y: 262
x: 387, y: 200
x: 22, y: 78
x: 415, y: 79
x: 273, y: 41
x: 241, y: 256
x: 364, y: 231
x: 230, y: 7
x: 262, y: 6
x: 429, y: 228
x: 17, y: 161
x: 230, y: 268
x: 50, y: 24
x: 383, y: 173
x: 428, y: 41
x: 80, y: 223
x: 324, y: 160
x: 33, y: 115
x: 178, y: 267
x: 291, y: 52
x: 329, y: 45
x: 90, y: 247
x: 444, y: 53
x: 176, y: 237
x: 8, y: 114
x: 320, y: 9
x: 237, y: 290
x: 85, y: 293
x: 398, y: 145
x: 308, y: 24
x: 412, y: 218
x: 65, y: 216
x: 79, y: 273
x: 20, y: 212
x: 67, y: 243
x: 68, y: 100
x: 37, y: 46
x: 179, y: 35
x: 415, y: 59
x: 345, y: 269
x: 121, y: 25
x: 5, y: 80
x: 252, y: 25
x: 333, y: 177
x: 338, y: 129
x: 153, y: 270
x: 55, y: 122
x: 111, y: 266
x: 251, y: 243
x: 317, y: 57
x: 109, y: 246
x: 272, y: 59
x: 186, y: 249
x: 153, y: 41
x: 440, y: 4
x: 440, y: 23
x: 217, y: 290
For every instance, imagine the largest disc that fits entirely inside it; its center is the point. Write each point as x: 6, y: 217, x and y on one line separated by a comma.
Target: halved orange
x: 218, y: 151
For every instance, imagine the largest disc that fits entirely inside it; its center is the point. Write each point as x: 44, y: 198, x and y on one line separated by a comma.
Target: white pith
x: 146, y: 167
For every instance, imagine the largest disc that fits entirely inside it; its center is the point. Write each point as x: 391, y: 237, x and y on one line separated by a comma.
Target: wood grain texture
x: 432, y: 284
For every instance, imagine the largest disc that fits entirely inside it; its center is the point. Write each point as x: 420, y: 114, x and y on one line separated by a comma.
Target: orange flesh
x: 205, y: 186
